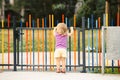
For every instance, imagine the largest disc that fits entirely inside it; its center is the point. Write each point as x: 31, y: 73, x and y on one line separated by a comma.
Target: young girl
x: 61, y: 34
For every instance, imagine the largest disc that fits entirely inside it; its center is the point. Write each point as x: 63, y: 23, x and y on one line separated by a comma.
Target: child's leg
x: 58, y: 64
x: 0, y: 71
x: 63, y: 65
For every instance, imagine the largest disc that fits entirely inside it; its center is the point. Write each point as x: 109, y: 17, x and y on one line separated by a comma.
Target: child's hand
x: 71, y: 28
x: 55, y: 28
x: 71, y: 31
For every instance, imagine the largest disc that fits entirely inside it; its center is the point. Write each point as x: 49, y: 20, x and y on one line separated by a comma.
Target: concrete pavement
x: 30, y: 75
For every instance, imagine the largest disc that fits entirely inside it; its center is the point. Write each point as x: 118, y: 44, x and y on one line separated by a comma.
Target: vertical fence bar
x: 63, y: 18
x: 17, y: 43
x: 112, y: 60
x: 30, y: 40
x: 14, y: 40
x: 2, y: 44
x: 104, y: 23
x: 118, y: 18
x: 75, y: 42
x: 92, y: 25
x: 33, y: 40
x: 66, y: 21
x: 43, y: 43
x: 79, y: 46
x: 8, y: 41
x: 27, y: 45
x: 21, y: 44
x: 88, y: 44
x: 50, y: 49
x: 38, y: 42
x: 57, y: 21
x: 106, y: 12
x: 69, y: 49
x: 107, y: 20
x: 83, y: 44
x: 97, y: 45
x: 52, y: 56
x: 99, y: 42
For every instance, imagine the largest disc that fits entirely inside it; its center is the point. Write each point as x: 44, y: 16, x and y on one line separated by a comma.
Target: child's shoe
x: 58, y: 71
x: 63, y: 71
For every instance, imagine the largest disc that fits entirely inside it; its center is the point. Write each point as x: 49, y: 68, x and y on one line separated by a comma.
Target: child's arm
x: 71, y: 31
x: 54, y: 30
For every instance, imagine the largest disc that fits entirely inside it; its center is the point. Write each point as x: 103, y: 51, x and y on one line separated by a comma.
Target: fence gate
x: 34, y: 49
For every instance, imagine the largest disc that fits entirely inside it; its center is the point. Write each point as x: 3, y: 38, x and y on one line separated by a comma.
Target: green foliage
x: 38, y: 8
x: 42, y: 8
x: 58, y: 6
x: 95, y: 7
x: 0, y: 2
x: 65, y: 7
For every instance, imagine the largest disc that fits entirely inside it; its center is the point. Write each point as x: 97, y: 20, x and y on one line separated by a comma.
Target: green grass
x: 108, y: 71
x: 40, y: 43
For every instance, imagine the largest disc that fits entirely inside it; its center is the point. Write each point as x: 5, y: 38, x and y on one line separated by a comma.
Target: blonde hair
x: 62, y: 28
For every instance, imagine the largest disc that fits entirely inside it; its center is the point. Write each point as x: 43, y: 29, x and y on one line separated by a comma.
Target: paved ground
x: 37, y: 75
x: 30, y: 75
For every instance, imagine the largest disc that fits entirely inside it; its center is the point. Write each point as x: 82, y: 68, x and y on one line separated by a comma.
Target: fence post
x: 79, y: 46
x: 83, y: 43
x: 92, y: 25
x: 14, y: 44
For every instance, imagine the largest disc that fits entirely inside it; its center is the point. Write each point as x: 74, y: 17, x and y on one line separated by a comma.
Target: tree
x: 66, y: 7
x: 42, y: 8
x: 95, y: 7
